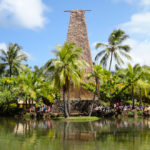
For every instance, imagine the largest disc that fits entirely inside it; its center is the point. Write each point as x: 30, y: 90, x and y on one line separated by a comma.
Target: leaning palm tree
x: 66, y: 70
x: 12, y: 58
x: 113, y: 49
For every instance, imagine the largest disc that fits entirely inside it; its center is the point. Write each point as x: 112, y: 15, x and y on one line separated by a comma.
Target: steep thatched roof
x: 77, y: 34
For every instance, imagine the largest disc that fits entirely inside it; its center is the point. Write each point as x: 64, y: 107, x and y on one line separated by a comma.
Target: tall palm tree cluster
x: 108, y: 81
x: 66, y: 70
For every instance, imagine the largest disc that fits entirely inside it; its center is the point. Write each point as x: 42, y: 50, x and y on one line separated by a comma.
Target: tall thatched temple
x: 77, y: 34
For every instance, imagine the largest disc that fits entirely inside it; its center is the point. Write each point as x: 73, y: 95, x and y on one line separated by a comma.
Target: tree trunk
x: 29, y: 103
x: 65, y: 105
x: 140, y: 96
x: 10, y: 71
x: 26, y: 104
x: 92, y: 105
x: 110, y: 61
x: 68, y: 101
x: 97, y: 88
x: 133, y: 103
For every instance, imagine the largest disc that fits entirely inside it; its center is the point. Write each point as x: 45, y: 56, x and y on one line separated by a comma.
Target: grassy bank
x: 79, y: 118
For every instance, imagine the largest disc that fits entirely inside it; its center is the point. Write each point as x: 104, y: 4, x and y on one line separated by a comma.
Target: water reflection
x: 107, y: 134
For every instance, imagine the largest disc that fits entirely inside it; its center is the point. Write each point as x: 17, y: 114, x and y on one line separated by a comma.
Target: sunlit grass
x: 78, y: 118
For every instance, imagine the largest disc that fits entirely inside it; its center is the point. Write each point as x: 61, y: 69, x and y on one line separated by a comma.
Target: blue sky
x: 39, y: 25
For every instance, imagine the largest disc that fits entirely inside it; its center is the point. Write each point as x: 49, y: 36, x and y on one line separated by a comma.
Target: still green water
x: 58, y: 135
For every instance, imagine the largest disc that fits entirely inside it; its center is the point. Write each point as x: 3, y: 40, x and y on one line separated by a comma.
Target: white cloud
x: 3, y: 46
x: 128, y: 1
x: 138, y: 28
x: 140, y: 51
x: 23, y: 13
x: 139, y: 24
x: 145, y: 2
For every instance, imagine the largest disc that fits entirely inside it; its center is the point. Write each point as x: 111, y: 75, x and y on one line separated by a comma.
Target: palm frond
x: 126, y: 55
x: 99, y: 54
x: 98, y: 45
x: 125, y: 48
x: 104, y: 60
x: 118, y: 59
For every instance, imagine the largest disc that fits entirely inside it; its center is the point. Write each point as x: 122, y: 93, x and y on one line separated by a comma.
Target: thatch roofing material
x: 77, y: 34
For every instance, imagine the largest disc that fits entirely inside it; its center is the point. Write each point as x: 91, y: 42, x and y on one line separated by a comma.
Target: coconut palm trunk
x: 140, y: 96
x: 68, y: 101
x: 95, y: 93
x: 97, y: 88
x: 10, y: 71
x: 110, y: 61
x: 91, y: 110
x: 133, y: 103
x: 26, y: 104
x: 65, y: 105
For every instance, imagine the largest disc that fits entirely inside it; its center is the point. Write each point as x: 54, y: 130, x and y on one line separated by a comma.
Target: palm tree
x: 66, y: 70
x: 144, y: 83
x: 12, y: 58
x: 34, y: 86
x: 113, y: 49
x: 96, y: 74
x: 131, y: 75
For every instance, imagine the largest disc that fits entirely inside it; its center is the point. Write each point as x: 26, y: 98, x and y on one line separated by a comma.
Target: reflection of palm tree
x: 94, y: 136
x: 113, y: 49
x: 66, y: 134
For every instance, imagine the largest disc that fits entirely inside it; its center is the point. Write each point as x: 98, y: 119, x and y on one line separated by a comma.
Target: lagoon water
x: 127, y: 134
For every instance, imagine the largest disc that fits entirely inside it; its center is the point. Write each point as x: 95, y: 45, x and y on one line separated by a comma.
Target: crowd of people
x: 121, y: 107
x: 40, y: 108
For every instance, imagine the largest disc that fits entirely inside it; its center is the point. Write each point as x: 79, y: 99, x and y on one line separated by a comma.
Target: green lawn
x: 79, y: 118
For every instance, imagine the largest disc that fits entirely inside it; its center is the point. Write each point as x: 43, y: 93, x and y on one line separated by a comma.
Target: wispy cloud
x: 138, y: 28
x: 135, y: 2
x: 140, y: 51
x: 138, y: 24
x: 3, y: 46
x: 22, y: 13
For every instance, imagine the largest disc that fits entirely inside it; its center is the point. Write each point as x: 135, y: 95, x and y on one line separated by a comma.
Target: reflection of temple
x: 48, y: 134
x: 77, y: 34
x: 83, y: 136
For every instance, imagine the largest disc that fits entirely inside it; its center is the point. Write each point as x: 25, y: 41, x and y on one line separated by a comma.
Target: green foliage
x: 140, y: 113
x: 130, y: 114
x: 35, y: 87
x: 129, y: 101
x: 67, y: 67
x: 27, y: 116
x: 13, y: 106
